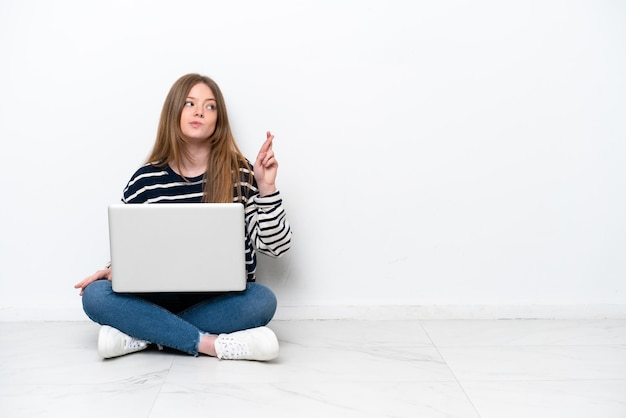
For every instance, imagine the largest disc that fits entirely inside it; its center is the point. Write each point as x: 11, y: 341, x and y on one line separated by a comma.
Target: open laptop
x: 177, y: 247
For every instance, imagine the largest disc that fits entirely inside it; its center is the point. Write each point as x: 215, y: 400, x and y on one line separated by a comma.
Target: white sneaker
x: 114, y: 343
x: 250, y: 344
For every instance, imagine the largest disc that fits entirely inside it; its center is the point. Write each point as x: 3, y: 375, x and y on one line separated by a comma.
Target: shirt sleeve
x: 267, y: 224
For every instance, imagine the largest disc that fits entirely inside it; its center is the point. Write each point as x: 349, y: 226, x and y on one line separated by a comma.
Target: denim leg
x: 234, y: 311
x: 139, y: 318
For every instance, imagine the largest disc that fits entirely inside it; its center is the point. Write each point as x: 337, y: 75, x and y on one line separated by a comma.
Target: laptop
x: 177, y: 247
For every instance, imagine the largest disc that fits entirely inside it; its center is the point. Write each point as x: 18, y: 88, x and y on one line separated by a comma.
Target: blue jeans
x: 178, y: 320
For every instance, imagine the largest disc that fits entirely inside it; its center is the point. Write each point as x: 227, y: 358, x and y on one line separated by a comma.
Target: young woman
x: 195, y: 159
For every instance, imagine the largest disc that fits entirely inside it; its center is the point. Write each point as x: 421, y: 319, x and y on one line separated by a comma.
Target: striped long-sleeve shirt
x: 267, y: 228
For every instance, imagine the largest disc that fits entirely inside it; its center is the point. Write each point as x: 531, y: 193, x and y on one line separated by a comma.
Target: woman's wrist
x: 267, y: 190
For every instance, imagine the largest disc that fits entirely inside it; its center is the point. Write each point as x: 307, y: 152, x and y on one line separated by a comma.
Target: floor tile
x: 320, y: 364
x: 329, y: 398
x: 536, y: 362
x: 68, y: 355
x: 352, y: 333
x: 119, y: 399
x: 550, y: 399
x: 526, y: 332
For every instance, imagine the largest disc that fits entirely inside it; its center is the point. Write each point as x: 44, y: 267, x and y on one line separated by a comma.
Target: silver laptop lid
x: 177, y: 247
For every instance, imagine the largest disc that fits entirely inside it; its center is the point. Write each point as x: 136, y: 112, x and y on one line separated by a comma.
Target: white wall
x: 433, y: 154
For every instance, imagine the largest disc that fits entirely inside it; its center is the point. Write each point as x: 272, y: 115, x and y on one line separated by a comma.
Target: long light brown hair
x: 226, y: 161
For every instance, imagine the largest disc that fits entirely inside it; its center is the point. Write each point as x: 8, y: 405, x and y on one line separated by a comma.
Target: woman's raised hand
x: 266, y: 167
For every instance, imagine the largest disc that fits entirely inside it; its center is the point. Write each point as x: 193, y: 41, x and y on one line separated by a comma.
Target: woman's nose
x: 200, y: 112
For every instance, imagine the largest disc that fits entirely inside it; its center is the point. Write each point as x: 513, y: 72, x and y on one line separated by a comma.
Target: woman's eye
x: 210, y: 107
x: 188, y: 104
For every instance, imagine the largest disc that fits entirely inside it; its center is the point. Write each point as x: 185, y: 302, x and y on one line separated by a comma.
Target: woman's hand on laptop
x: 98, y: 275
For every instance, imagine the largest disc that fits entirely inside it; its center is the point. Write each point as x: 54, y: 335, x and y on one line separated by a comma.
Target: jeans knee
x: 93, y: 298
x: 265, y: 300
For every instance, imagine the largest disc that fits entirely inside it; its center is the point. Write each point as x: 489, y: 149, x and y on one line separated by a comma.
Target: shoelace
x: 134, y: 344
x: 232, y: 348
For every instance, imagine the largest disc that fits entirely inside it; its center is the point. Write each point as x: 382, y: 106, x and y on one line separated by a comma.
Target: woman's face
x: 199, y: 115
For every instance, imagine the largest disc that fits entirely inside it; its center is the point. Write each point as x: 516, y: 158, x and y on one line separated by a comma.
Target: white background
x: 431, y: 154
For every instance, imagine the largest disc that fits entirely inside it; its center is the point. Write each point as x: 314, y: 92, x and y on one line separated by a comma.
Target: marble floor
x: 331, y: 368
